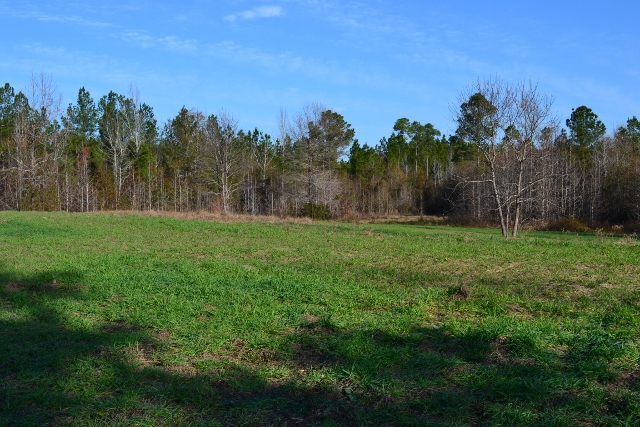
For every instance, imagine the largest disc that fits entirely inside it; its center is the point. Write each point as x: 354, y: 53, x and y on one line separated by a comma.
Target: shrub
x: 316, y: 211
x: 569, y: 224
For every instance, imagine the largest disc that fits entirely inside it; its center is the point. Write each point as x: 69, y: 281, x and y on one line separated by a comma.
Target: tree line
x: 509, y: 162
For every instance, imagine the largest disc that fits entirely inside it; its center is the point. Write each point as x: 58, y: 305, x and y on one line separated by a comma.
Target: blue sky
x: 373, y: 62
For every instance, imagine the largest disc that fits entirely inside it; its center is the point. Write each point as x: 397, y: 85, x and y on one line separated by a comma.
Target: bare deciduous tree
x: 316, y: 138
x: 223, y: 153
x: 505, y: 123
x: 36, y: 139
x: 115, y: 133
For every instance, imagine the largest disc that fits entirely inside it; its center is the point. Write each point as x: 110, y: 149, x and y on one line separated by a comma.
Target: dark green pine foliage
x: 477, y: 124
x: 364, y: 162
x: 584, y: 131
x: 81, y: 124
x: 7, y: 99
x: 633, y: 130
x: 82, y: 118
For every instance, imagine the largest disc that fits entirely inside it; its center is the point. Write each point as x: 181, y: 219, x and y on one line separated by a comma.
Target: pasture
x: 120, y: 320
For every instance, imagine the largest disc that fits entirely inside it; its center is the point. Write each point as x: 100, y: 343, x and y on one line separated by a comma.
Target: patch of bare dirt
x: 239, y: 351
x: 207, y: 312
x: 262, y: 254
x: 310, y: 318
x: 141, y: 353
x: 462, y: 293
x: 520, y: 311
x: 499, y: 350
x: 317, y: 328
x: 13, y: 287
x: 55, y: 284
x: 608, y: 285
x: 307, y: 358
x: 207, y: 355
x: 447, y: 350
x: 580, y: 289
x: 629, y: 380
x: 119, y: 327
x: 500, y: 353
x: 185, y: 370
x: 163, y: 335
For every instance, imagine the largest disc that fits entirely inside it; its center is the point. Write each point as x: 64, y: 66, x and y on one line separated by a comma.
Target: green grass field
x: 127, y: 320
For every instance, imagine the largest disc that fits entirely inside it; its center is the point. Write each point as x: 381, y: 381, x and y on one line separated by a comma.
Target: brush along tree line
x: 509, y: 161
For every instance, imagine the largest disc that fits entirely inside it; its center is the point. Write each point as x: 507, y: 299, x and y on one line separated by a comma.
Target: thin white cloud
x: 102, y: 72
x: 275, y: 62
x: 63, y: 19
x: 258, y: 12
x: 176, y: 43
x: 180, y: 18
x: 72, y: 20
x: 169, y: 42
x: 286, y: 61
x: 144, y: 40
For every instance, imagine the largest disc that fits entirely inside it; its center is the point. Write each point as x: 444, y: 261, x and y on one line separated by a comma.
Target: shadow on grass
x: 55, y: 370
x: 429, y: 376
x: 59, y: 370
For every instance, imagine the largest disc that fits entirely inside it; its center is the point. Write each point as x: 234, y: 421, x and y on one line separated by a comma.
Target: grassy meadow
x: 121, y: 320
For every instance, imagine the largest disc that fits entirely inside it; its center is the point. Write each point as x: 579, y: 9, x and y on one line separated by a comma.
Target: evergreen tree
x: 584, y: 130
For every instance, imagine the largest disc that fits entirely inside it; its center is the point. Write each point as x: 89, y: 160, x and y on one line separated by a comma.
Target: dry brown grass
x: 230, y: 218
x: 628, y: 239
x: 209, y: 216
x: 241, y: 352
x: 403, y: 219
